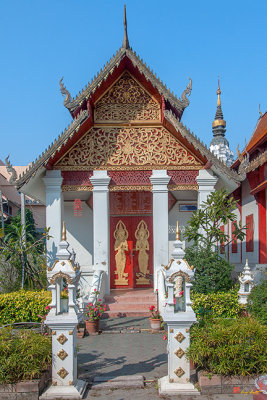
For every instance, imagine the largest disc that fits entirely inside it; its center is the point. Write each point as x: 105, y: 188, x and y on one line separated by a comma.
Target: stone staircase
x: 129, y: 303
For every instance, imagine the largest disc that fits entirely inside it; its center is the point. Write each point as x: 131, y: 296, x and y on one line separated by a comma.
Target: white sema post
x: 65, y: 384
x: 179, y: 316
x: 246, y: 280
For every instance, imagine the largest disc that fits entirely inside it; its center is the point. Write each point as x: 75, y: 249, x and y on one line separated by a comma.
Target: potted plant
x: 94, y: 312
x: 155, y: 319
x: 64, y: 300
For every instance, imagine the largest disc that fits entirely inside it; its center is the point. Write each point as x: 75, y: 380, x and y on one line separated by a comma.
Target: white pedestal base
x: 74, y: 392
x: 165, y: 387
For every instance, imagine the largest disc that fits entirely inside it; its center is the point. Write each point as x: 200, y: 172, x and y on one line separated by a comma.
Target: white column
x: 206, y: 184
x: 54, y: 212
x: 160, y: 180
x: 100, y: 181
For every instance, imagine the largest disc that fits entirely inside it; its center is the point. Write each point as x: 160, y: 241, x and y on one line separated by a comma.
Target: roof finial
x: 125, y: 43
x: 218, y: 93
x: 64, y: 236
x: 260, y: 111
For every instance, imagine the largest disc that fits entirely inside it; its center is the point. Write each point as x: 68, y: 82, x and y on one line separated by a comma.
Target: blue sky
x: 41, y: 41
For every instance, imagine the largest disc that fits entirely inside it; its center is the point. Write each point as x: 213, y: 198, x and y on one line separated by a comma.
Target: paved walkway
x: 116, y: 352
x: 126, y: 347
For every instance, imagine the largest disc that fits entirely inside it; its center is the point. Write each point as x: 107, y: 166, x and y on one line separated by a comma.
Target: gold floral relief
x: 142, y: 246
x: 116, y: 147
x: 120, y: 246
x: 126, y: 100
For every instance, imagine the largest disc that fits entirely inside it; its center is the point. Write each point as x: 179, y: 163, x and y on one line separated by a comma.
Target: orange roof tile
x: 259, y: 135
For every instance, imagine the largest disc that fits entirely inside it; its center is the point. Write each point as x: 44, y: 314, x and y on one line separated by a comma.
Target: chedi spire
x: 219, y: 144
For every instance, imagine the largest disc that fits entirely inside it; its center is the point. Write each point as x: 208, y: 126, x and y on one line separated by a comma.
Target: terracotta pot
x: 92, y: 326
x: 155, y: 324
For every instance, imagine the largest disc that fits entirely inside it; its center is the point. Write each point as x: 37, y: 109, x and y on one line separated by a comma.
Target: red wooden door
x: 131, y: 251
x: 131, y: 241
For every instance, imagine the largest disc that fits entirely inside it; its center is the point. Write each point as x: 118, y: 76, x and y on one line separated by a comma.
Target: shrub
x: 229, y: 347
x: 257, y: 302
x: 212, y: 272
x: 23, y: 306
x: 214, y: 305
x: 23, y: 355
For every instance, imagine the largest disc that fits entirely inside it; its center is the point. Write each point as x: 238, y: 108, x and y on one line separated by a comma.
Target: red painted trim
x: 262, y: 228
x: 259, y: 188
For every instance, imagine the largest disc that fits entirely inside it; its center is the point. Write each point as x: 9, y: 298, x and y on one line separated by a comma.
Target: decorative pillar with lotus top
x: 179, y: 316
x: 63, y: 325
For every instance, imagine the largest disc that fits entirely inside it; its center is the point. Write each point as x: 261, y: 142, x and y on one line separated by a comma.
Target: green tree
x: 22, y: 259
x: 15, y: 222
x: 203, y: 227
x: 212, y: 272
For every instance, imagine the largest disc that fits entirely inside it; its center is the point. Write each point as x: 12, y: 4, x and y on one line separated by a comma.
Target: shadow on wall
x: 80, y: 232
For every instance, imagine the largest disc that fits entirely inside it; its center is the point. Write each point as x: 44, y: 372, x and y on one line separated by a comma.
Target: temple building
x: 251, y: 195
x: 123, y: 172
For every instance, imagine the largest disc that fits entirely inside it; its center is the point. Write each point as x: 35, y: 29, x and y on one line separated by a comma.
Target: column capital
x: 159, y: 180
x: 100, y: 180
x: 53, y: 179
x: 206, y: 180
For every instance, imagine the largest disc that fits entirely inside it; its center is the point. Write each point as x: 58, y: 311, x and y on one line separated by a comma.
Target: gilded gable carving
x: 128, y: 148
x: 127, y: 101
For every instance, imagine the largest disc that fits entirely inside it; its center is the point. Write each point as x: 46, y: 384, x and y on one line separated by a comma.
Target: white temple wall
x: 80, y: 233
x: 183, y: 217
x: 80, y: 238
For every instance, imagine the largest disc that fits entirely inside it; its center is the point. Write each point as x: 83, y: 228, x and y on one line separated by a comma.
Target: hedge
x: 257, y: 302
x: 23, y: 306
x: 220, y: 304
x: 229, y: 346
x: 23, y: 355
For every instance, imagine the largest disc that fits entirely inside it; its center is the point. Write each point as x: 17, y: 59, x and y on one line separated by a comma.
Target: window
x: 222, y: 245
x: 234, y: 240
x: 249, y: 233
x: 187, y: 207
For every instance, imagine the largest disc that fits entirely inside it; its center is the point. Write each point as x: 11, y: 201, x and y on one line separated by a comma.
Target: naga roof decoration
x: 257, y: 162
x: 52, y: 149
x: 179, y: 104
x: 199, y: 145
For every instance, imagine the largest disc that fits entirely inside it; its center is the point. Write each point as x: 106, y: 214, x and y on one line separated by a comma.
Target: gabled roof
x: 44, y: 158
x: 259, y: 135
x: 257, y: 139
x: 125, y: 54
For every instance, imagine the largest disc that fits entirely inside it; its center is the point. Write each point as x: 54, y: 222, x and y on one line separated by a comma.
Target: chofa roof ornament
x: 65, y: 92
x: 11, y: 170
x: 185, y: 93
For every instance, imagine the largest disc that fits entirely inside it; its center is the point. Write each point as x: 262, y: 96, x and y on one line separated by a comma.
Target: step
x: 130, y: 299
x: 123, y: 313
x: 128, y: 306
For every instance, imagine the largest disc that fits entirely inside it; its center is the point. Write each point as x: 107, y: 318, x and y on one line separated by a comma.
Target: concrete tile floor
x: 117, y: 354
